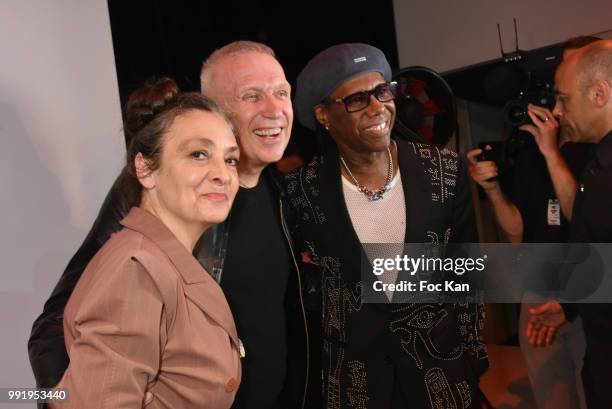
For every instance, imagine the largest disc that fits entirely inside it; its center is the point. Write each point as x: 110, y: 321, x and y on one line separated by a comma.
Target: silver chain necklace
x: 377, y: 194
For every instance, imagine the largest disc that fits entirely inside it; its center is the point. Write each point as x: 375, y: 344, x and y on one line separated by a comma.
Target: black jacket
x: 46, y: 348
x: 433, y: 352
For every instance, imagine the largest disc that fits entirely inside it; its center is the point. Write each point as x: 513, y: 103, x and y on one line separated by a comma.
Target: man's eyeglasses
x: 384, y: 92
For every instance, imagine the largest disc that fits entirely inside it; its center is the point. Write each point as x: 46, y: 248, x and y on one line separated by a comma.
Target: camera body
x: 540, y: 93
x: 493, y: 154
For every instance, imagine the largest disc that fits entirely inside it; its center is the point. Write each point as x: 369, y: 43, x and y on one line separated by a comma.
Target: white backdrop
x: 449, y: 34
x: 62, y: 146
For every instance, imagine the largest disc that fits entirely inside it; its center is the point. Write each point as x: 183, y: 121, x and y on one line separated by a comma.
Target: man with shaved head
x: 543, y: 181
x: 583, y: 84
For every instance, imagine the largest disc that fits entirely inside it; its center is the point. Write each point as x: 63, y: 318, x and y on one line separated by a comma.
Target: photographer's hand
x: 544, y: 321
x: 544, y: 130
x: 482, y: 171
x: 506, y: 213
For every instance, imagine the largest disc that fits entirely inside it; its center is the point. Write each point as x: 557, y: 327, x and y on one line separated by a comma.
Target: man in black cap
x: 367, y: 188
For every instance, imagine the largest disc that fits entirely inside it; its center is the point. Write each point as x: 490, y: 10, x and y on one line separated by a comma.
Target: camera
x: 539, y: 93
x: 496, y: 154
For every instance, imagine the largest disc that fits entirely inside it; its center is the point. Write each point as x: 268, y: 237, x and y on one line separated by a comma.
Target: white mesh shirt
x: 379, y: 221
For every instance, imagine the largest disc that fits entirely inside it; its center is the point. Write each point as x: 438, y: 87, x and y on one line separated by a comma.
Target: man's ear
x: 601, y: 93
x: 143, y: 172
x: 321, y: 116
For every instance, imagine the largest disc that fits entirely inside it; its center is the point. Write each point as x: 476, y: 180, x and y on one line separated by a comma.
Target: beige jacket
x: 146, y: 317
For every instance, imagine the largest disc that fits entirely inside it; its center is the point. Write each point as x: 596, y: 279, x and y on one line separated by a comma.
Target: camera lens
x: 516, y: 113
x: 537, y: 93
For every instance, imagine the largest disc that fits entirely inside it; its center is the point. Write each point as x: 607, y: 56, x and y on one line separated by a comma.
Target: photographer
x: 584, y: 107
x: 544, y: 181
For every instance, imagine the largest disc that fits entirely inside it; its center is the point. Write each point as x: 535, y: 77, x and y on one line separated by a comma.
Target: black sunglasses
x: 384, y: 92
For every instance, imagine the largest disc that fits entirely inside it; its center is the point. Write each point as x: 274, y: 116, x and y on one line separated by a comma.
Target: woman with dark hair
x: 145, y: 102
x: 146, y: 324
x: 366, y: 188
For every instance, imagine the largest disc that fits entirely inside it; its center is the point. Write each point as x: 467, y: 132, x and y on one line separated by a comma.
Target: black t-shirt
x: 254, y: 281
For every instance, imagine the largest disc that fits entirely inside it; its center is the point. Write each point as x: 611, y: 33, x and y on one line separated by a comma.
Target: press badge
x: 554, y: 212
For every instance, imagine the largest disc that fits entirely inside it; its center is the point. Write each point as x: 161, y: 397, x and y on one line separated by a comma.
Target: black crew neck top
x: 254, y: 280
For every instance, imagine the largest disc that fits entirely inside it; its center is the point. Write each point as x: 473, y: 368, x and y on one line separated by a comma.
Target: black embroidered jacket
x: 426, y: 355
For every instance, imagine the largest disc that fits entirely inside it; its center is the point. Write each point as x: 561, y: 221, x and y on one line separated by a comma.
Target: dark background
x: 160, y: 37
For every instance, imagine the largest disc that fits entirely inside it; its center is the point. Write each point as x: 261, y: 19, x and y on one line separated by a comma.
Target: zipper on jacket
x: 303, y: 309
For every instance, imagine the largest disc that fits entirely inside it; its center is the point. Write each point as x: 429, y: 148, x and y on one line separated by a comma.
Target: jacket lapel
x: 208, y: 296
x: 334, y: 206
x: 417, y: 192
x: 199, y: 286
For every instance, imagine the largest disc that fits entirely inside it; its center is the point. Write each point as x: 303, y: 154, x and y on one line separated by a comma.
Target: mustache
x: 380, y: 118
